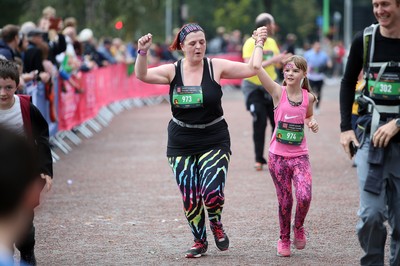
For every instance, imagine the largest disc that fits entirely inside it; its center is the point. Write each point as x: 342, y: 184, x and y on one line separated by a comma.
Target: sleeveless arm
x: 227, y: 69
x: 273, y: 88
x: 162, y: 74
x: 156, y: 75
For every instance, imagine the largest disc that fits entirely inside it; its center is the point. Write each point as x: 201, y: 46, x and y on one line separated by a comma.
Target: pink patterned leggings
x: 284, y: 172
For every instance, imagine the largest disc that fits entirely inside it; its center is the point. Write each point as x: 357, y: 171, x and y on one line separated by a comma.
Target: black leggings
x: 261, y: 108
x: 27, y: 243
x: 316, y: 86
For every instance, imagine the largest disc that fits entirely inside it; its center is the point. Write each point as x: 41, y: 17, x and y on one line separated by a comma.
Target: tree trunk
x: 181, y: 20
x: 268, y: 6
x: 90, y: 13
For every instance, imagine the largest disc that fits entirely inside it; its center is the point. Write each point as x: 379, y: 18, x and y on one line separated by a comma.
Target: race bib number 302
x: 187, y: 97
x: 388, y: 87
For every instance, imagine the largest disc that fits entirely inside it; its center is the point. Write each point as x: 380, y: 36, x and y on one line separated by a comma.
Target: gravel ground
x: 115, y: 201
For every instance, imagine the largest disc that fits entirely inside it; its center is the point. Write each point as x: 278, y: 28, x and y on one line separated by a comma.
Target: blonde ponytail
x: 306, y: 85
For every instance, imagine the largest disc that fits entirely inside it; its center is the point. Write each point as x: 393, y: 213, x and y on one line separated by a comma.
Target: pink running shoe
x: 283, y: 248
x: 300, y: 238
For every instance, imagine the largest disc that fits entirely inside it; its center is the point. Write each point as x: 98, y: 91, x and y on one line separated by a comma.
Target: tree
x: 11, y: 11
x: 232, y: 14
x: 99, y: 15
x: 140, y: 17
x: 298, y: 17
x: 237, y: 15
x: 267, y: 5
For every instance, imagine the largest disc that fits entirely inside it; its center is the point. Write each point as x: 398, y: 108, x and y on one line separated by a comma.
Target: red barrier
x: 104, y: 86
x: 101, y: 87
x: 233, y: 57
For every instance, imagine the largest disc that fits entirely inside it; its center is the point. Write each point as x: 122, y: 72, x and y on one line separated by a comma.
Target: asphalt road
x: 115, y: 201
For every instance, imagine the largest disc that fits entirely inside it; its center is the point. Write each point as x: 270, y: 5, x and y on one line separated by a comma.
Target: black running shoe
x: 221, y: 239
x: 199, y: 248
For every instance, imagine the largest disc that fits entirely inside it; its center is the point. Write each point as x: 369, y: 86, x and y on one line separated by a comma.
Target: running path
x: 115, y: 202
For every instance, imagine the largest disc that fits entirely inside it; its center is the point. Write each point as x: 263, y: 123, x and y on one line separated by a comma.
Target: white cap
x: 85, y: 35
x: 27, y: 27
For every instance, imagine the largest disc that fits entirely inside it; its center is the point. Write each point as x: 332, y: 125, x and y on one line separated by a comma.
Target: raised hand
x: 262, y: 33
x: 145, y: 42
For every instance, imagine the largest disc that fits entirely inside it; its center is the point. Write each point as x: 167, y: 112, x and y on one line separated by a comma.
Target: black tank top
x: 212, y: 95
x: 184, y: 141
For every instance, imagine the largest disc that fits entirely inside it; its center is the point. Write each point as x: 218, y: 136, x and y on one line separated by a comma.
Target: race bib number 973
x: 187, y: 97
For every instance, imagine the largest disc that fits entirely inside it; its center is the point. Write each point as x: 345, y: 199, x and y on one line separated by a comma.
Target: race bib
x: 187, y: 97
x: 267, y: 55
x: 388, y: 87
x: 317, y: 70
x: 289, y: 133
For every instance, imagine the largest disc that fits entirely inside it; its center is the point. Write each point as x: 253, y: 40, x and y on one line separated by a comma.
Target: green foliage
x: 99, y: 15
x: 11, y: 10
x: 235, y: 15
x: 232, y: 14
x: 140, y: 17
x: 296, y: 16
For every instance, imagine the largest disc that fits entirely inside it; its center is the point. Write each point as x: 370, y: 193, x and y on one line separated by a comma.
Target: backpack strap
x: 369, y: 42
x: 25, y: 101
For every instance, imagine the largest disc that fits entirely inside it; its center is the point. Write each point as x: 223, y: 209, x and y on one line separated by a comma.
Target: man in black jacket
x: 378, y: 130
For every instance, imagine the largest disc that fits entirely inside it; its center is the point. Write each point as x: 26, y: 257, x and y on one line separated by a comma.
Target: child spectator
x: 21, y: 116
x: 19, y: 190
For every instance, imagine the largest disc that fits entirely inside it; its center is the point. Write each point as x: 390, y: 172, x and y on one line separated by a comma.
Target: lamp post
x: 325, y: 15
x: 183, y: 12
x: 348, y: 23
x: 337, y: 18
x: 168, y: 20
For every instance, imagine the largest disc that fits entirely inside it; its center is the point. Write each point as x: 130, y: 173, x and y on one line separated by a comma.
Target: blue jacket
x: 6, y: 51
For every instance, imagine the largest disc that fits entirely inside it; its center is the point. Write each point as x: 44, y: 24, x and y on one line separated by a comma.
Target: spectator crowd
x: 52, y: 52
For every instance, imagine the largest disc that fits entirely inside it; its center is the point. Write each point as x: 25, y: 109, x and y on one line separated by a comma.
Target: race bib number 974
x: 289, y: 133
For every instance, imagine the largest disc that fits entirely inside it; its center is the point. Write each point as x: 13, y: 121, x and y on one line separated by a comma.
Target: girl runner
x: 288, y: 153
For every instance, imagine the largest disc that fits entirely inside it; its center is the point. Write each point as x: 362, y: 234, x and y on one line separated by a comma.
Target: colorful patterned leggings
x: 284, y: 171
x: 201, y: 179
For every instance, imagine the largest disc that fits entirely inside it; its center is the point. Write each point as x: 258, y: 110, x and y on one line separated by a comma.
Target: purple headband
x: 188, y: 29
